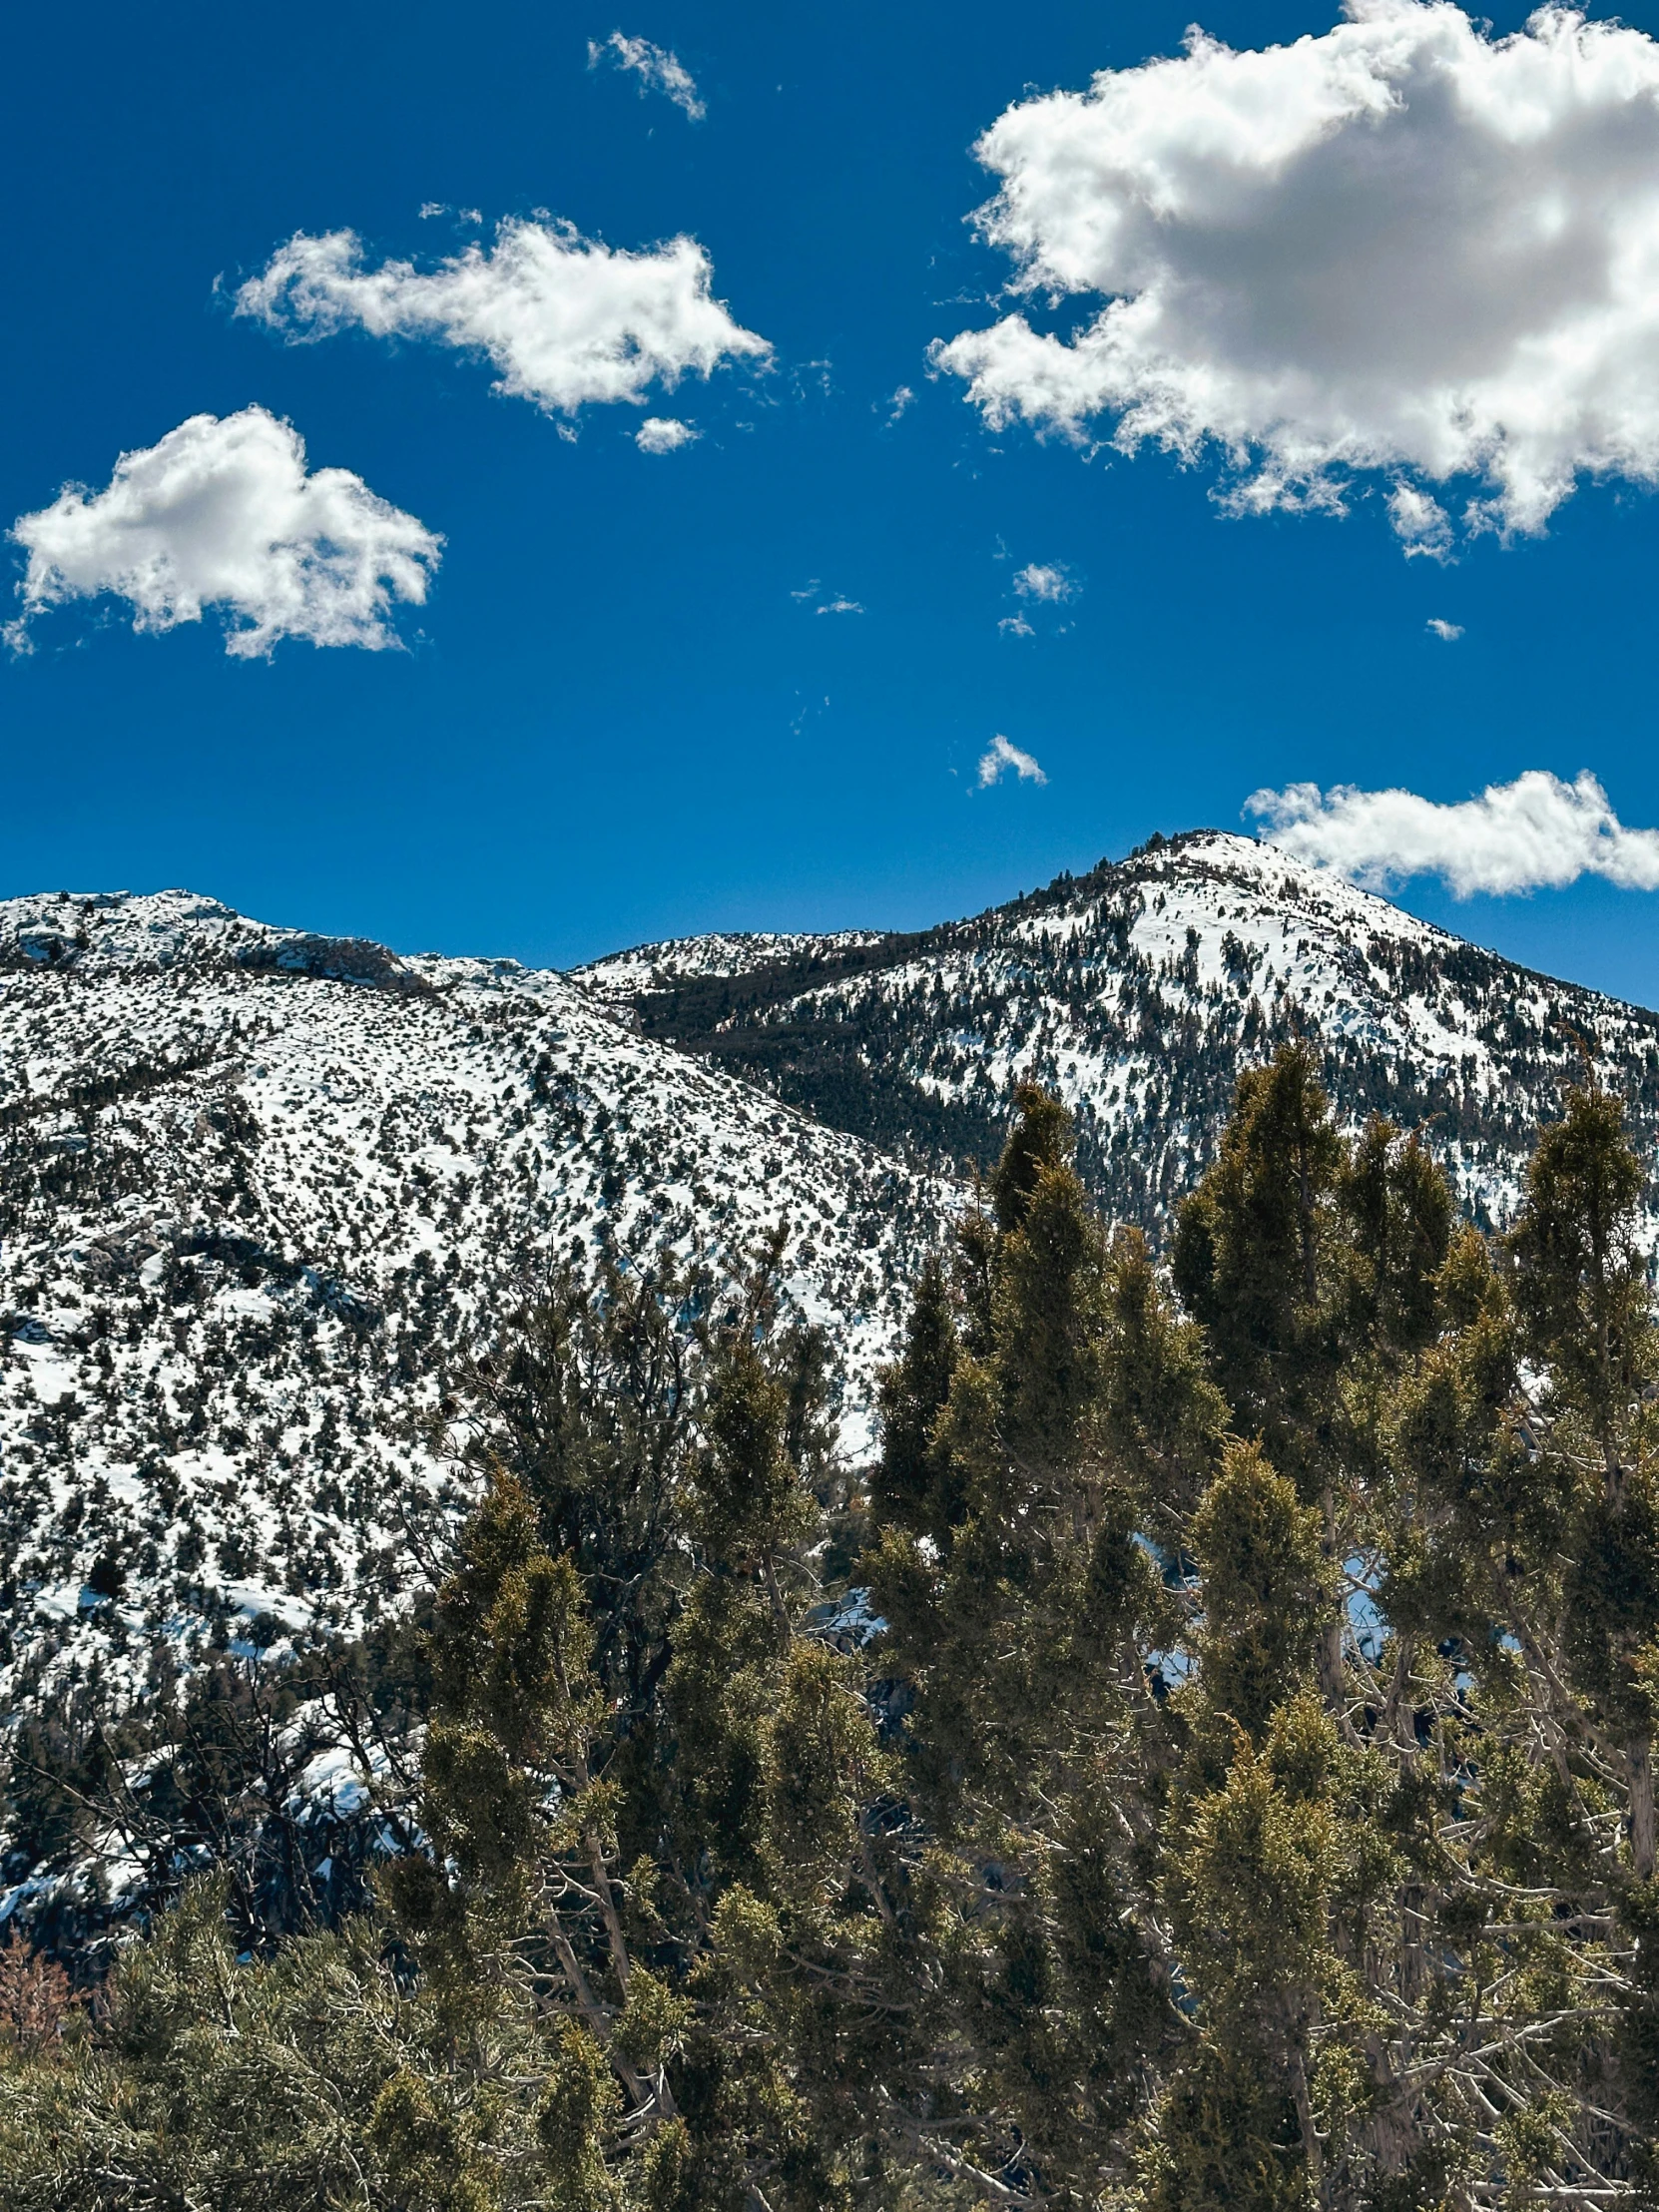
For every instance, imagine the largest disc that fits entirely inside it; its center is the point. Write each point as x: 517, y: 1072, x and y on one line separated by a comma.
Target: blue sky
x: 617, y: 717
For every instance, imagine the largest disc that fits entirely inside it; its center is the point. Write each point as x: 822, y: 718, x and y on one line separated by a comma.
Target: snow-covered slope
x: 656, y: 967
x: 257, y: 1187
x: 1138, y: 992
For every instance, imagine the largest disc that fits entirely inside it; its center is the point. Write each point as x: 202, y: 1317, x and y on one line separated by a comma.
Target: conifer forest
x: 1202, y: 1762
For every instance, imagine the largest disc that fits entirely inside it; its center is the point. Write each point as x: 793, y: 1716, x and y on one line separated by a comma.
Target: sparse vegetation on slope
x: 1138, y: 993
x: 261, y: 1191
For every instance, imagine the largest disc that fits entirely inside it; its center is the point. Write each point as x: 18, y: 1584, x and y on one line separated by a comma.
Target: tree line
x: 1209, y: 1766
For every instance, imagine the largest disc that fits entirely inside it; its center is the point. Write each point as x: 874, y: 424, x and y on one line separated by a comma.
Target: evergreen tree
x: 1246, y: 1802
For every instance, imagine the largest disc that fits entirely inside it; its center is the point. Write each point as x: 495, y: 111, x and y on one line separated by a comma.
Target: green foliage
x: 1265, y: 1584
x: 1248, y: 1800
x: 905, y: 1488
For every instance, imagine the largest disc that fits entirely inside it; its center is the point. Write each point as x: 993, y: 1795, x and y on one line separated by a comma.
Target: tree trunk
x: 1311, y: 2148
x: 780, y: 1611
x: 1639, y: 1753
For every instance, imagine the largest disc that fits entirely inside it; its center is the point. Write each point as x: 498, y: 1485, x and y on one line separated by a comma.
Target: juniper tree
x: 1038, y: 1749
x: 597, y: 1813
x: 1286, y: 1662
x: 1247, y: 1803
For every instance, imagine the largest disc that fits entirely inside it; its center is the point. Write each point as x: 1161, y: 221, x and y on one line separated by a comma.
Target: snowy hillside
x: 655, y: 967
x: 256, y: 1188
x: 1138, y: 992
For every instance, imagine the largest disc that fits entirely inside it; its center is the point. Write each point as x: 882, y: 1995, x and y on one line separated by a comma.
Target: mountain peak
x: 262, y: 1185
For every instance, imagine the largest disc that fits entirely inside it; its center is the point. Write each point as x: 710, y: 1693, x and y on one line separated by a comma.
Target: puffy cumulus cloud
x: 1044, y: 580
x: 221, y: 512
x: 1447, y: 632
x: 1536, y: 832
x: 1403, y: 246
x: 656, y: 68
x: 663, y: 435
x: 566, y: 321
x: 999, y: 757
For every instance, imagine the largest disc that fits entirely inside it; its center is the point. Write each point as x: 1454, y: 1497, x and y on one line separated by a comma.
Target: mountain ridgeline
x: 262, y: 1192
x: 1137, y: 993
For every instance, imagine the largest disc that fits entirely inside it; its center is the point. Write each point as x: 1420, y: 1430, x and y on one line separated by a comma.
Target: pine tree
x: 1247, y: 1802
x: 1582, y: 1294
x: 1038, y: 1743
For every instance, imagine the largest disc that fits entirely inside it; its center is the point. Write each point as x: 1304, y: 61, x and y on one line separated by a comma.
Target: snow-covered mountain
x: 655, y: 967
x: 257, y: 1187
x: 1138, y: 992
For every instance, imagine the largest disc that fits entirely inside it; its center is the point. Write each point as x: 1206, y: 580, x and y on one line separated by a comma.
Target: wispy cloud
x: 1421, y: 524
x: 1047, y: 580
x: 836, y: 603
x: 1448, y: 631
x: 1016, y: 625
x: 999, y: 757
x: 564, y: 321
x: 1536, y: 832
x: 221, y: 512
x: 656, y: 68
x: 902, y: 398
x: 664, y: 434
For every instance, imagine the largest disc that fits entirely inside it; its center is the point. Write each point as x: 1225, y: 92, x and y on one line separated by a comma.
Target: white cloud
x: 663, y: 435
x: 903, y: 397
x: 657, y: 69
x: 564, y: 321
x: 1421, y: 524
x: 1038, y: 580
x: 836, y: 604
x: 222, y: 513
x: 1016, y: 625
x: 999, y: 755
x: 1447, y: 632
x: 1401, y: 247
x: 1534, y: 832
